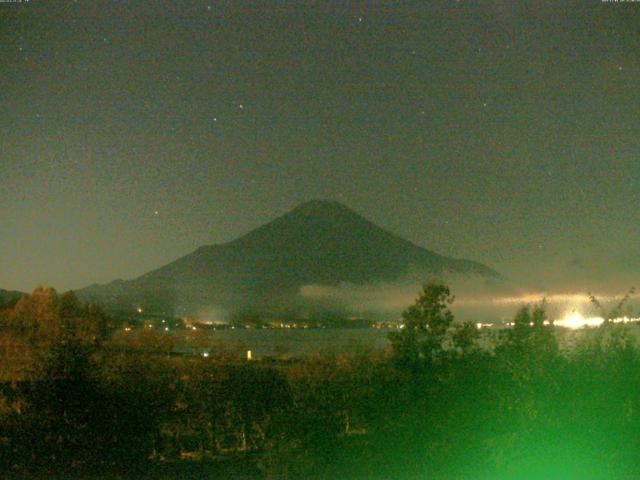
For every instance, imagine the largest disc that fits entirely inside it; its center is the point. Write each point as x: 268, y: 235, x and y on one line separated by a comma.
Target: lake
x: 299, y: 341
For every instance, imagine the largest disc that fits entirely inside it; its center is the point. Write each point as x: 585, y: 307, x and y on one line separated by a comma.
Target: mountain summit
x: 316, y: 243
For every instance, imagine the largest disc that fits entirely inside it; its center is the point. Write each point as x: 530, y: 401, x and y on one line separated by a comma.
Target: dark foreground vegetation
x: 78, y: 399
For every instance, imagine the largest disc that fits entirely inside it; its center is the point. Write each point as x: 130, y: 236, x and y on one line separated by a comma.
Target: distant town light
x: 139, y: 310
x: 481, y: 325
x: 249, y: 355
x: 576, y: 320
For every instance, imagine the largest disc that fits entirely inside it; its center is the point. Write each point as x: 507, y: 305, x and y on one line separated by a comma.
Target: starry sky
x: 132, y: 132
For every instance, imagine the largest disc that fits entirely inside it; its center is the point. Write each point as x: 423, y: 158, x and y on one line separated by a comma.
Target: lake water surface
x: 302, y: 342
x: 298, y: 341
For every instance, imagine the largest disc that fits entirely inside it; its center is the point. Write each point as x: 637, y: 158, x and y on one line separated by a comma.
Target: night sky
x: 132, y: 132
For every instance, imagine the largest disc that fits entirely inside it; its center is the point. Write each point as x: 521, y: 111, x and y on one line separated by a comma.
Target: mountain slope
x: 318, y: 242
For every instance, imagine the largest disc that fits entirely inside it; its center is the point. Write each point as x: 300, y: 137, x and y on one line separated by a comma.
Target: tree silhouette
x: 426, y: 324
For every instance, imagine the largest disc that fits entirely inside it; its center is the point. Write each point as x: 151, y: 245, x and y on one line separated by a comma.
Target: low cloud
x: 475, y: 299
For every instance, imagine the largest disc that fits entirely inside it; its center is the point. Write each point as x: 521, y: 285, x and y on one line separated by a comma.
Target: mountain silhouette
x: 317, y: 243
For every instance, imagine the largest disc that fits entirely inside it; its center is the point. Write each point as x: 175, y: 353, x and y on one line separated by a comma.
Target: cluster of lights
x: 575, y: 320
x: 480, y: 325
